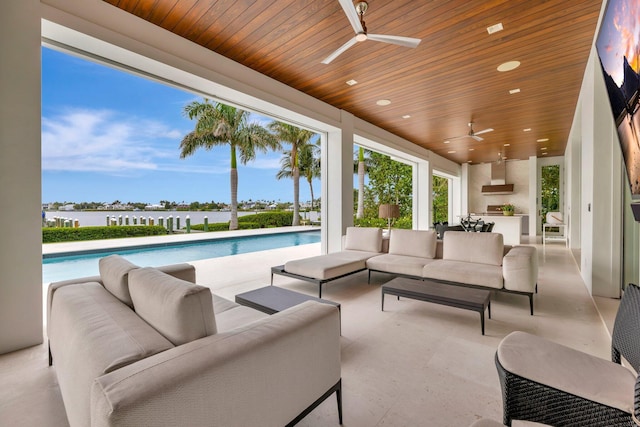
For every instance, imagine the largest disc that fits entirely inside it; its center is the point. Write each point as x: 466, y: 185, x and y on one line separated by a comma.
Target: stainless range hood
x: 498, y: 180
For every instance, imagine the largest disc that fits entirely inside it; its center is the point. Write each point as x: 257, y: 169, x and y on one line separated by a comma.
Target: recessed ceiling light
x: 406, y: 116
x: 472, y: 149
x: 542, y: 140
x: 507, y: 145
x: 544, y: 154
x: 468, y: 161
x: 383, y: 102
x: 352, y: 82
x: 447, y: 142
x: 543, y: 148
x: 508, y: 66
x: 526, y: 130
x: 512, y: 91
x: 495, y: 28
x: 451, y: 152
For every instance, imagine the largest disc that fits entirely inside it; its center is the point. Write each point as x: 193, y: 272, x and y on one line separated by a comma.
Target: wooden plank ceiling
x: 450, y: 79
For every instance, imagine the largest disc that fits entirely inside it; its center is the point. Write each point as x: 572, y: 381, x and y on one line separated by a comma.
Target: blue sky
x: 109, y: 135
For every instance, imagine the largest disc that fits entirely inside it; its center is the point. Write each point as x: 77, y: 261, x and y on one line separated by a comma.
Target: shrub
x: 54, y: 235
x: 224, y: 226
x: 269, y: 219
x: 404, y: 222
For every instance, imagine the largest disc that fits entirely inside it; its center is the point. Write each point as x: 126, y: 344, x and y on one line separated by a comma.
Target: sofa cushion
x: 231, y: 315
x: 92, y: 333
x: 237, y: 317
x: 331, y: 265
x: 114, y: 273
x: 398, y: 264
x: 366, y: 239
x: 572, y: 371
x: 417, y: 243
x: 468, y: 273
x: 179, y: 310
x: 481, y: 248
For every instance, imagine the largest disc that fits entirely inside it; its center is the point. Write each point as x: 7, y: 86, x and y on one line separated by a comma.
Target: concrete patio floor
x: 415, y: 364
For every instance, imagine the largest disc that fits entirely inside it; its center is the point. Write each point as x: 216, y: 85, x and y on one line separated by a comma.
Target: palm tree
x: 310, y: 164
x: 219, y: 124
x: 360, y: 167
x: 297, y: 138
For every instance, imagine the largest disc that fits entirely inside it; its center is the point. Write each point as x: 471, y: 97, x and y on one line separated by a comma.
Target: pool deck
x: 92, y: 245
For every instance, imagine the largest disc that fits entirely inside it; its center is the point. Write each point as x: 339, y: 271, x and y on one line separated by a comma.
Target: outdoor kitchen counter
x: 509, y: 226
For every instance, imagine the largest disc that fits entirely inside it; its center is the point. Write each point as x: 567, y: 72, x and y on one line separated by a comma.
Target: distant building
x: 153, y: 207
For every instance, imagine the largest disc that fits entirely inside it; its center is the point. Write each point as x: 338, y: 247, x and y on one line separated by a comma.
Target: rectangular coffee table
x: 272, y: 299
x: 439, y: 293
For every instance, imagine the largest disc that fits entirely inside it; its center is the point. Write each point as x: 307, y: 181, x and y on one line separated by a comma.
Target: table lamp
x: 389, y: 211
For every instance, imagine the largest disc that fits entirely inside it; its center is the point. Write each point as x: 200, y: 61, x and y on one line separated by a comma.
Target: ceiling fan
x: 355, y: 14
x: 473, y: 134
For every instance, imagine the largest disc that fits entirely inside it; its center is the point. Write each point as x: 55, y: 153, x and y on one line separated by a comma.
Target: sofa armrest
x: 54, y: 286
x: 182, y: 271
x: 265, y: 373
x: 520, y: 269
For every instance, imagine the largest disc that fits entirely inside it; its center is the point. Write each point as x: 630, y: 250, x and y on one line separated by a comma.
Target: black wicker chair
x: 549, y: 383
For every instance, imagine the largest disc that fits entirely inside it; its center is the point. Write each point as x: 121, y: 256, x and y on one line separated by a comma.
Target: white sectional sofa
x: 461, y: 258
x: 144, y: 346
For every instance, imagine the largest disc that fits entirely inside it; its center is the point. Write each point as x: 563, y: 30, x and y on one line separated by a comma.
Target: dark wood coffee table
x: 439, y: 293
x: 272, y: 299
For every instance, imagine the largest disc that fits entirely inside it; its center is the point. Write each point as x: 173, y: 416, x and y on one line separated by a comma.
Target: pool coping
x: 51, y: 250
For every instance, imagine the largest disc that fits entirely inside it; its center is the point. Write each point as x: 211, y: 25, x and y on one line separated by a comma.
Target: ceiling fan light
x: 361, y: 37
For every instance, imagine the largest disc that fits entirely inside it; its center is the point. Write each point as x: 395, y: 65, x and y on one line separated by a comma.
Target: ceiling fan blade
x: 352, y: 15
x: 399, y: 40
x: 340, y: 50
x: 484, y: 131
x: 456, y: 137
x: 476, y: 137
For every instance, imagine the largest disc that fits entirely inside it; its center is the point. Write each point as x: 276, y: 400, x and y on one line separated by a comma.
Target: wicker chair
x: 549, y: 383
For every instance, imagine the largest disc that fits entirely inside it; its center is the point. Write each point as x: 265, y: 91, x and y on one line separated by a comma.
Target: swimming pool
x: 62, y: 267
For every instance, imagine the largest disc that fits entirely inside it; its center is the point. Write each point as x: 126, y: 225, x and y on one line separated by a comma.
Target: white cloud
x: 262, y: 162
x: 104, y: 141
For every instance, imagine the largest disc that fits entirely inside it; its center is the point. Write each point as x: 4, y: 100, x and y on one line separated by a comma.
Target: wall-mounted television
x: 618, y: 47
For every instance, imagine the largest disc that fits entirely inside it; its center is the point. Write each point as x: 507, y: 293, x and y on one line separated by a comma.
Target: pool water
x: 56, y: 268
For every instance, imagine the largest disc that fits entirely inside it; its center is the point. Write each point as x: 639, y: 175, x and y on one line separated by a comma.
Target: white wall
x: 573, y: 194
x: 517, y: 172
x: 20, y: 244
x: 600, y: 199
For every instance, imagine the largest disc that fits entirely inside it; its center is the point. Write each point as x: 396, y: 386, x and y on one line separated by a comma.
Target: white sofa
x: 144, y: 346
x: 461, y: 258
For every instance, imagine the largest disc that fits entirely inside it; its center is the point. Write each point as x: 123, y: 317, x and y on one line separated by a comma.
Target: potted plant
x: 508, y: 209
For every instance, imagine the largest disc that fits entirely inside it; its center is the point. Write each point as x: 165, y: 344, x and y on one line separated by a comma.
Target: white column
x: 534, y: 218
x: 422, y: 195
x: 20, y: 170
x: 337, y: 188
x: 461, y: 202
